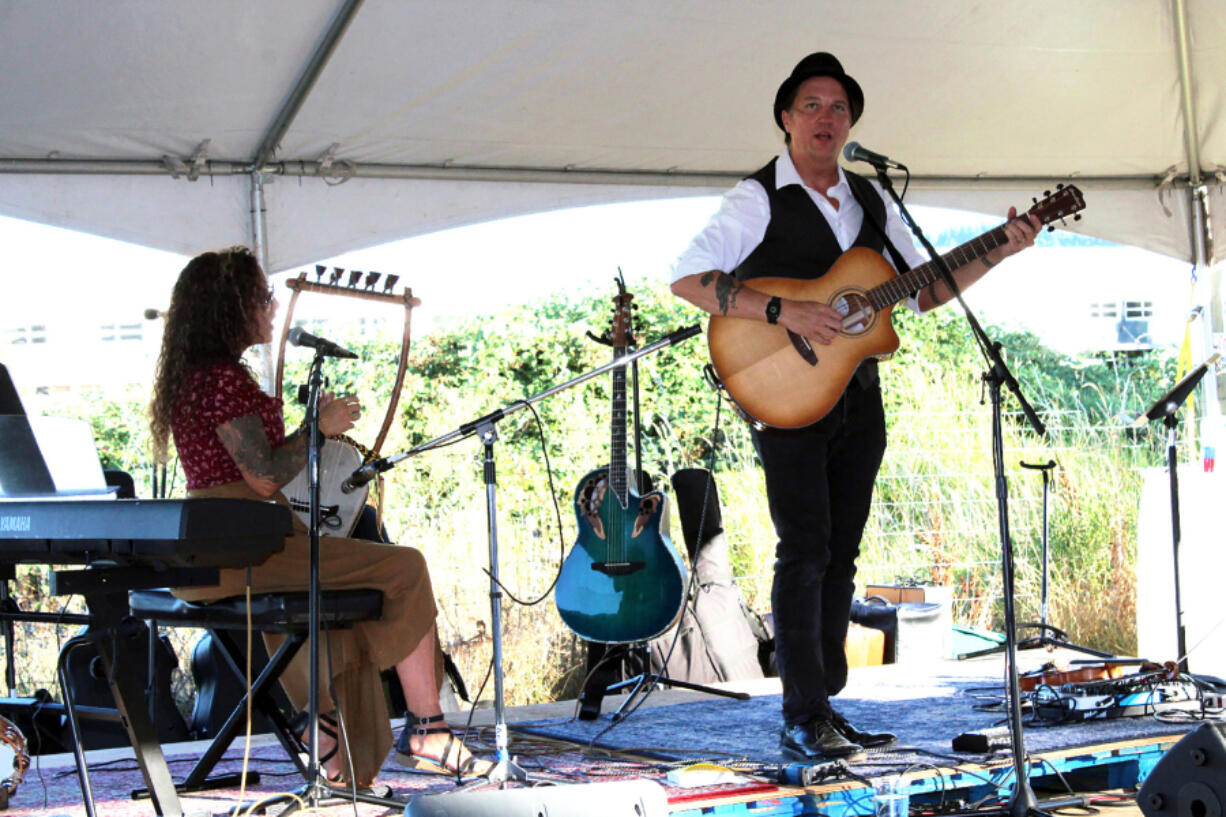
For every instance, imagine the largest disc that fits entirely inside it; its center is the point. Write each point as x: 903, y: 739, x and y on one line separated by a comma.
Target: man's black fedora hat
x: 818, y: 64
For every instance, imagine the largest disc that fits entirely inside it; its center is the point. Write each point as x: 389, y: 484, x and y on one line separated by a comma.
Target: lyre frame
x: 301, y: 284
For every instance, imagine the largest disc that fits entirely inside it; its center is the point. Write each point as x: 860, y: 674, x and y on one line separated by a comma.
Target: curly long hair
x: 211, y: 319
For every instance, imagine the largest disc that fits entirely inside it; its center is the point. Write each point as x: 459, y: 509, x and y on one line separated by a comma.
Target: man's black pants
x: 819, y: 481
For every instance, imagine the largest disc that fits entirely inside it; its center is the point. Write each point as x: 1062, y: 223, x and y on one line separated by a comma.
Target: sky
x: 58, y: 275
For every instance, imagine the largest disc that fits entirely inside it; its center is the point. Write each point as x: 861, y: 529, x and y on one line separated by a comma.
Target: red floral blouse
x: 210, y: 397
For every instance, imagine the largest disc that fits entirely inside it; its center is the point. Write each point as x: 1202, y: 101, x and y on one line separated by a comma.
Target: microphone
x: 855, y: 152
x: 365, y: 474
x: 154, y: 314
x: 684, y: 333
x: 326, y: 348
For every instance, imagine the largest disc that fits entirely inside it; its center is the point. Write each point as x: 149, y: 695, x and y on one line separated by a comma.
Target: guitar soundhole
x: 590, y: 497
x: 857, y: 312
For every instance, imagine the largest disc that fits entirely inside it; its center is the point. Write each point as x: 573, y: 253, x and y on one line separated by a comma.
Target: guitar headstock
x: 621, y: 329
x: 1066, y: 201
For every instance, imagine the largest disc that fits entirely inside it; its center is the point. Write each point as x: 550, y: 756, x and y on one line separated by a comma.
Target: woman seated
x: 231, y: 441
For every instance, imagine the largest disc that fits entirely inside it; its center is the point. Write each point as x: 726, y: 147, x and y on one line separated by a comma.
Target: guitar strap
x: 860, y: 187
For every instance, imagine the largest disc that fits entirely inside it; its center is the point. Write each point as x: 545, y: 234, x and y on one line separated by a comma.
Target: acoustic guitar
x: 623, y: 581
x: 778, y: 378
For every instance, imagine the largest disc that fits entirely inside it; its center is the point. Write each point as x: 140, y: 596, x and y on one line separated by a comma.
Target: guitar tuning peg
x: 1050, y: 229
x: 1034, y: 199
x: 1077, y: 217
x: 1046, y: 193
x: 1060, y: 186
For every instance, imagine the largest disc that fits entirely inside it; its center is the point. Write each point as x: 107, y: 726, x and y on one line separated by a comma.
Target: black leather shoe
x: 816, y: 740
x: 865, y: 739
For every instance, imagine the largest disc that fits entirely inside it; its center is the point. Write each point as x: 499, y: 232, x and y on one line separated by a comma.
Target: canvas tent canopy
x: 314, y: 127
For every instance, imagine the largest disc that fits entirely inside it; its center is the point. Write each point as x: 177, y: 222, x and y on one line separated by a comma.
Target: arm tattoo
x: 245, y: 440
x: 726, y: 290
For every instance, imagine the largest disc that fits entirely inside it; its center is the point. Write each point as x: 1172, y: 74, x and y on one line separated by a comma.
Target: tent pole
x: 1198, y: 206
x: 1201, y: 238
x: 1185, y: 95
x: 259, y: 236
x: 259, y: 246
x: 306, y: 81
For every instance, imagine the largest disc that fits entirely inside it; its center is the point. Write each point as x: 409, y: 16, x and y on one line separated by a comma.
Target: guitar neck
x: 912, y: 281
x: 617, y: 453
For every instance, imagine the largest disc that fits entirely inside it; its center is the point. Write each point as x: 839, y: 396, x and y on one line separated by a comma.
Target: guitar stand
x: 1048, y: 637
x: 646, y: 682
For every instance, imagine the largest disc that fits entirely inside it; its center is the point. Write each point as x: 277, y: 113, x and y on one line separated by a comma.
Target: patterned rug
x: 54, y: 791
x: 926, y: 707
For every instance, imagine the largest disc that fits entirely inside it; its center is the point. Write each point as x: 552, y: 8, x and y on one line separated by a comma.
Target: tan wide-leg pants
x: 358, y: 654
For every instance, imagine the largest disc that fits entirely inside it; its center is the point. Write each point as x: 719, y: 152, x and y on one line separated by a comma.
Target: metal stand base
x: 322, y: 794
x: 1057, y: 638
x: 645, y: 682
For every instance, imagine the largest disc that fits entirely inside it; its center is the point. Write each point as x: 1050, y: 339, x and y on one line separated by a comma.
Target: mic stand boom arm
x: 1023, y: 801
x: 990, y: 349
x: 470, y: 428
x: 505, y: 768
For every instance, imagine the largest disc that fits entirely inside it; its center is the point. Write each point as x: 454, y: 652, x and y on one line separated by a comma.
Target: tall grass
x: 935, y: 516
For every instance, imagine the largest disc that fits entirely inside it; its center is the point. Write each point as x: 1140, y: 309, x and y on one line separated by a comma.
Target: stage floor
x: 925, y: 704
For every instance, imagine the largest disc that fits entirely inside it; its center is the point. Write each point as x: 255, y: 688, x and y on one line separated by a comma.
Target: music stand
x: 1167, y: 409
x: 23, y: 471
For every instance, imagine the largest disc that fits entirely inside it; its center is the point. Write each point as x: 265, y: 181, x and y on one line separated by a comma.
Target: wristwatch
x: 772, y: 309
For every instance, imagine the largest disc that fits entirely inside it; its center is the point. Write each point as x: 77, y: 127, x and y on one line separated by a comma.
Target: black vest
x: 799, y: 242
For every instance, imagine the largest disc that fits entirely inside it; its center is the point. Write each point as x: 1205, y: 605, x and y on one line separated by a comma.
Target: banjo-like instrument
x: 338, y: 511
x: 340, y: 456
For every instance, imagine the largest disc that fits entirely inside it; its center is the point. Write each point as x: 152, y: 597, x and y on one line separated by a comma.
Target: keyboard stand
x: 119, y: 645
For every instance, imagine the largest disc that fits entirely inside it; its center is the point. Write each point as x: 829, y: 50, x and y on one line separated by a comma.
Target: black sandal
x: 327, y: 726
x: 405, y: 756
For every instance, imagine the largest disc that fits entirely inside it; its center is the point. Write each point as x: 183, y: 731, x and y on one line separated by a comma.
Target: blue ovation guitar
x: 623, y: 581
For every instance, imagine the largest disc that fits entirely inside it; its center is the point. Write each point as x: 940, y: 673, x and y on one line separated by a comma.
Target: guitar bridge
x: 618, y: 568
x: 803, y: 348
x: 305, y: 507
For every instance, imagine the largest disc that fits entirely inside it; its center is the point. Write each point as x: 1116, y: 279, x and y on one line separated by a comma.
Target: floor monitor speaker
x: 623, y: 798
x: 1190, y: 779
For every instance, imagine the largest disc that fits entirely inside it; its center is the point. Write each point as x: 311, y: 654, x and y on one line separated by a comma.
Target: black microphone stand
x: 1048, y: 634
x: 1023, y: 801
x: 1167, y: 408
x: 318, y: 788
x: 505, y: 768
